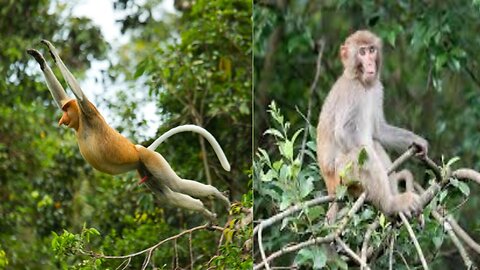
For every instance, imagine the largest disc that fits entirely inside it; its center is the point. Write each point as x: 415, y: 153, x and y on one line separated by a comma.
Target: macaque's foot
x: 407, y: 203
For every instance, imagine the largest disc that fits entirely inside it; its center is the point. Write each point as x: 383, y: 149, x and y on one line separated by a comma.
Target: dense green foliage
x: 195, y: 65
x: 432, y: 83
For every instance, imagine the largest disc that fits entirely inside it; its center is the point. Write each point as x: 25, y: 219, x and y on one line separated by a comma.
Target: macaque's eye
x: 362, y: 51
x: 372, y: 49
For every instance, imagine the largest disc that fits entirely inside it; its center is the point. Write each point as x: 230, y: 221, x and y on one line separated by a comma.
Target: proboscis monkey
x: 110, y: 152
x: 352, y: 119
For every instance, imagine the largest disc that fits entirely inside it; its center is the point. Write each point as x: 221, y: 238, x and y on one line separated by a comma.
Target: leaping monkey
x: 110, y: 152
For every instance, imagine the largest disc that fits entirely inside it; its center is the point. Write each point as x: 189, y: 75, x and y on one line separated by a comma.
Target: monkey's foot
x: 38, y: 56
x: 407, y: 203
x: 212, y: 217
x: 225, y: 199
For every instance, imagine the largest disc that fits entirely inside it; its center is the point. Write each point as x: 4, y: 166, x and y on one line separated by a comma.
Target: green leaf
x: 452, y: 160
x: 314, y: 255
x: 437, y: 241
x: 274, y: 132
x: 306, y: 187
x: 464, y: 188
x: 362, y: 157
x: 269, y: 176
x: 383, y: 221
x: 294, y: 137
x: 442, y: 195
x: 286, y: 149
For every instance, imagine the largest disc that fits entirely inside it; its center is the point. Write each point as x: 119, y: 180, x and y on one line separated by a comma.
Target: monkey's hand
x: 421, y: 145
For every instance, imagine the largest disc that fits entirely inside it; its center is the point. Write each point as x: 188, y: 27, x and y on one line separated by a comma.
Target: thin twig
x: 260, y: 247
x: 313, y: 86
x: 403, y: 259
x: 124, y: 264
x: 461, y: 249
x: 318, y: 240
x: 414, y: 239
x: 201, y: 227
x: 463, y: 234
x: 459, y: 231
x: 390, y: 256
x: 292, y: 209
x: 191, y: 250
x: 147, y: 259
x: 352, y: 254
x: 175, y: 244
x: 371, y: 228
x: 288, y: 249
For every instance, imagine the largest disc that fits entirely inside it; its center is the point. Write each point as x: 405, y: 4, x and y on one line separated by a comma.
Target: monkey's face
x: 70, y: 114
x: 367, y: 68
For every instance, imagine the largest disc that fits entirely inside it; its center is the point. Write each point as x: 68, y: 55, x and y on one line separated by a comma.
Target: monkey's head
x: 70, y: 114
x: 361, y: 56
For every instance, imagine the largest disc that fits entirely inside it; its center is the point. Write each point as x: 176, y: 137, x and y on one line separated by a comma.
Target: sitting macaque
x: 352, y: 120
x: 110, y: 152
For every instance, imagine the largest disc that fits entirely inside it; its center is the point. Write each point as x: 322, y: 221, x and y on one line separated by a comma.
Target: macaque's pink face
x: 367, y: 63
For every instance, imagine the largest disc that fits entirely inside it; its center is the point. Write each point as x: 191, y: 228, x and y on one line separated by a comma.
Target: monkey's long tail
x: 193, y: 128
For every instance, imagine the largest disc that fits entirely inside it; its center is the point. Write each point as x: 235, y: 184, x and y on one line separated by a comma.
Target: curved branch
x: 414, y: 239
x: 459, y: 231
x: 152, y: 248
x: 320, y: 43
x: 352, y: 254
x: 461, y: 249
x: 371, y: 228
x: 467, y: 174
x: 318, y: 240
x: 291, y: 210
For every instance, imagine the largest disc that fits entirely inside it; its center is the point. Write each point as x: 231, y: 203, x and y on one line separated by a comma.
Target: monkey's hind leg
x: 174, y: 198
x: 187, y: 202
x: 331, y: 181
x: 159, y: 168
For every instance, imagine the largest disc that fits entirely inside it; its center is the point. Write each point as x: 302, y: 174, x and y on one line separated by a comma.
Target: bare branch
x: 461, y: 249
x: 150, y: 250
x: 390, y: 260
x: 260, y: 246
x: 467, y: 174
x: 414, y: 239
x: 318, y: 240
x: 291, y: 210
x: 459, y: 231
x: 321, y: 44
x: 371, y: 228
x: 352, y: 254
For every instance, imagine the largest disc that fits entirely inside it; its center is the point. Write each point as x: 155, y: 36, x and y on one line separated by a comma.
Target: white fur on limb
x: 193, y: 128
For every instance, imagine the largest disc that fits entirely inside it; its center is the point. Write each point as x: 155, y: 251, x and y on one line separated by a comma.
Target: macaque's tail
x: 193, y: 128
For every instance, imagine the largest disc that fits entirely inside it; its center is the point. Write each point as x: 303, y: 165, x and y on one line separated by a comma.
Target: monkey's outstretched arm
x: 391, y: 136
x: 72, y: 82
x: 53, y: 84
x: 395, y: 137
x: 193, y: 128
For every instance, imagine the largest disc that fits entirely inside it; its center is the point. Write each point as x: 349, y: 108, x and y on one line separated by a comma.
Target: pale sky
x: 103, y: 15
